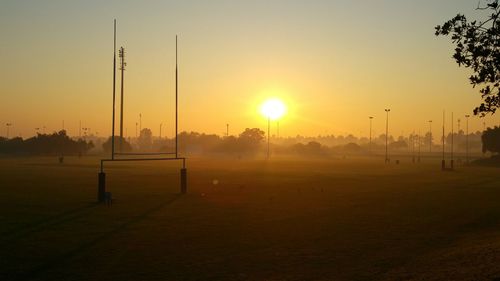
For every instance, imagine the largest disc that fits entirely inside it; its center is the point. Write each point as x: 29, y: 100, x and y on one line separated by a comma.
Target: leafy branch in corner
x: 478, y: 48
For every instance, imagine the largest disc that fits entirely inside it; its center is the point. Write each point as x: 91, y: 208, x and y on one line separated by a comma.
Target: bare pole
x: 452, y: 121
x: 413, y: 146
x: 176, y: 101
x: 443, y: 163
x: 387, y: 135
x: 467, y: 139
x: 419, y: 144
x: 370, y: 145
x: 430, y: 136
x: 114, y: 93
x: 268, y: 135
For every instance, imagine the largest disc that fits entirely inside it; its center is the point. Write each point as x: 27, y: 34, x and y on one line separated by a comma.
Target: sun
x: 273, y: 109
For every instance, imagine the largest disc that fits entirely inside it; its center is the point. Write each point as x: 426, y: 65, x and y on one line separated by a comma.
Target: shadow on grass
x: 61, y: 259
x: 22, y: 231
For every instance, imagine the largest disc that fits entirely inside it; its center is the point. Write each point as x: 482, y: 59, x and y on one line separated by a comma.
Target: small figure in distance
x: 108, y: 198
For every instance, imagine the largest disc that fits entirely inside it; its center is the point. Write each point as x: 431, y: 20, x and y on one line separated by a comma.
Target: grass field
x: 353, y: 219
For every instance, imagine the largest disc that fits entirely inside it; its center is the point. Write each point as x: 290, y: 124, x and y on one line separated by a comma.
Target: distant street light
x: 160, y: 130
x: 419, y: 143
x: 8, y: 125
x: 413, y: 146
x: 387, y: 135
x: 370, y: 145
x: 467, y: 139
x: 268, y: 135
x: 430, y: 136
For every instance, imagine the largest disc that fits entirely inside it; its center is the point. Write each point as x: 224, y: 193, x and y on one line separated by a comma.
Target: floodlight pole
x: 419, y: 144
x: 121, y: 54
x: 8, y: 127
x: 413, y: 146
x: 370, y: 145
x: 387, y: 135
x: 268, y: 135
x: 430, y: 136
x: 443, y: 163
x: 467, y: 139
x: 451, y: 161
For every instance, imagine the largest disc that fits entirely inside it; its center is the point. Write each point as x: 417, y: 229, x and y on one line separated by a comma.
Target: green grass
x: 352, y: 219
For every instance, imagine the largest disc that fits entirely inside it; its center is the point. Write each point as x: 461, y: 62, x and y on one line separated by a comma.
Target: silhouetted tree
x: 145, y: 140
x: 126, y: 147
x: 491, y: 140
x: 251, y: 139
x: 56, y: 143
x: 352, y: 147
x: 478, y: 48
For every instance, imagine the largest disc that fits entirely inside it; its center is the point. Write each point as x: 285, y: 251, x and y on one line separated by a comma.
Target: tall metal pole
x: 121, y: 54
x: 370, y: 144
x: 268, y: 135
x: 176, y: 101
x: 8, y: 127
x: 413, y: 146
x: 430, y: 136
x: 160, y: 130
x: 114, y: 93
x: 419, y: 144
x: 452, y: 121
x: 443, y: 163
x: 467, y: 139
x: 387, y: 135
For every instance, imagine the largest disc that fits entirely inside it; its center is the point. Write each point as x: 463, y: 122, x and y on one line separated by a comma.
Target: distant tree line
x: 45, y: 144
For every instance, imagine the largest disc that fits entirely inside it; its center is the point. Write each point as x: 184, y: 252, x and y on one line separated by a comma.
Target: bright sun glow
x: 273, y: 109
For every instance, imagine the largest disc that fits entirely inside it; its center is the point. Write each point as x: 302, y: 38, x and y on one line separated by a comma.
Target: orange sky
x: 334, y: 63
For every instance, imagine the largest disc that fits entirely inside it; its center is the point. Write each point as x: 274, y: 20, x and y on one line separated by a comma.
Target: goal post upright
x: 101, y: 191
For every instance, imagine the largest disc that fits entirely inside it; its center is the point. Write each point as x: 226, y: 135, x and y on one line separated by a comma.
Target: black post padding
x: 101, y: 190
x: 183, y: 180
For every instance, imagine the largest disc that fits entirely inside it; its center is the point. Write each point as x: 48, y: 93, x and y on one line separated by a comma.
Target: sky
x: 333, y: 63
